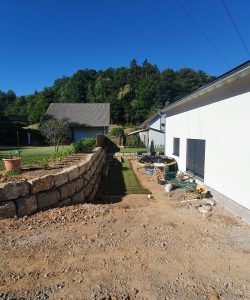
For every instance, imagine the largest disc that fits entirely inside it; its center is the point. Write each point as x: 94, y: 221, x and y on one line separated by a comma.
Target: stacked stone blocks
x: 75, y: 184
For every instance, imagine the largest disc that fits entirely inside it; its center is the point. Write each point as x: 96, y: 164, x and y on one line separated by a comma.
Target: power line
x: 203, y: 34
x: 235, y: 27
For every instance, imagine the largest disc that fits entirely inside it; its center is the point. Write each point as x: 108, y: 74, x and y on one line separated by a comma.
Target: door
x: 196, y: 156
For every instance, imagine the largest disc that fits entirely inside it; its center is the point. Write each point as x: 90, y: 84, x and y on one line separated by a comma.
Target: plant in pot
x: 13, y: 162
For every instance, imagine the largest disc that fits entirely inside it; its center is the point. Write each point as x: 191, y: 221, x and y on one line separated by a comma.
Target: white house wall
x: 156, y: 123
x: 222, y: 118
x: 144, y: 137
x: 158, y: 138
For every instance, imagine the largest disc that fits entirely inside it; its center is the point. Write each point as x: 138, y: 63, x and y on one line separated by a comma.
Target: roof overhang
x: 229, y: 77
x: 142, y: 130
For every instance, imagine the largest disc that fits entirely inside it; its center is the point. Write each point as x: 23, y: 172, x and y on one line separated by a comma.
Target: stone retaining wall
x: 78, y: 183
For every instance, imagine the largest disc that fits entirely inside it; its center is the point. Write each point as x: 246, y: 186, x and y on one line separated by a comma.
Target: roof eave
x: 217, y: 83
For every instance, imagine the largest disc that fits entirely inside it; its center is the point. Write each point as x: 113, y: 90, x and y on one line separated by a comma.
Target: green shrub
x: 118, y: 131
x: 83, y: 144
x: 43, y: 163
x: 13, y: 173
x: 134, y: 141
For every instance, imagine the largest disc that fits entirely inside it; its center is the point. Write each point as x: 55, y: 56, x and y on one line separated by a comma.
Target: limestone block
x: 64, y: 202
x: 79, y: 184
x: 26, y: 206
x: 72, y: 172
x: 47, y: 199
x: 82, y: 168
x: 7, y: 209
x: 86, y: 176
x: 67, y: 190
x: 78, y: 197
x: 13, y: 190
x: 91, y: 172
x: 41, y: 184
x: 61, y: 178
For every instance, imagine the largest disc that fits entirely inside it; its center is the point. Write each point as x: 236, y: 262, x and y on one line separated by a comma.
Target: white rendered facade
x: 220, y: 115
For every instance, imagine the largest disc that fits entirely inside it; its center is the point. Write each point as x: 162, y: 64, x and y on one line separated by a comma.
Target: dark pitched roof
x: 80, y: 114
x: 18, y: 118
x: 15, y: 118
x: 205, y: 88
x: 150, y: 119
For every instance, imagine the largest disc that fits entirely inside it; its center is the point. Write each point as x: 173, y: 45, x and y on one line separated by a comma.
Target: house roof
x: 80, y: 114
x: 149, y: 119
x: 228, y: 77
x: 15, y: 118
x: 143, y: 130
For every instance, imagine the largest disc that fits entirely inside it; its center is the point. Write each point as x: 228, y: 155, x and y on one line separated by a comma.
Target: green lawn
x: 133, y: 150
x: 30, y: 155
x: 122, y: 180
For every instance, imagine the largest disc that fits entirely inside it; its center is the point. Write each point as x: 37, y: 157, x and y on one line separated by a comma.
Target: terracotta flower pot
x: 12, y: 164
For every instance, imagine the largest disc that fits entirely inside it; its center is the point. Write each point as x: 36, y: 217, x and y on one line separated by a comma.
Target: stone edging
x: 74, y: 184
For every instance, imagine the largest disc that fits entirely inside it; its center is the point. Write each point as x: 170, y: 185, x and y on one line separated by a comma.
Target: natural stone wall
x: 74, y: 184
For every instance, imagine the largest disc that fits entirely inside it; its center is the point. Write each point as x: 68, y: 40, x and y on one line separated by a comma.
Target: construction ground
x: 134, y: 248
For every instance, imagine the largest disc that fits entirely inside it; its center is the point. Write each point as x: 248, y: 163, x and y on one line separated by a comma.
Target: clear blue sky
x: 42, y: 40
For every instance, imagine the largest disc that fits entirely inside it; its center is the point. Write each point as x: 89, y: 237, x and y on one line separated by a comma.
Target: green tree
x: 55, y: 132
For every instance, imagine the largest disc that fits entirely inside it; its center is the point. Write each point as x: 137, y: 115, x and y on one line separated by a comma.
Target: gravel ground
x: 136, y: 248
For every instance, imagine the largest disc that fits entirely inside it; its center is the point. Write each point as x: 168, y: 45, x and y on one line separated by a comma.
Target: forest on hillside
x: 134, y: 93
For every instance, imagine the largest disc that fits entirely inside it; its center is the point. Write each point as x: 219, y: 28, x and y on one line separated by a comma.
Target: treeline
x: 134, y: 93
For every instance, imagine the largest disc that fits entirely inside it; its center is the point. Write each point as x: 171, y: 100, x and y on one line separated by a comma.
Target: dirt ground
x: 135, y: 248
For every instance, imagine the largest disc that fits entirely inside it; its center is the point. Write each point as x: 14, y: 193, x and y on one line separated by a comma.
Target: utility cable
x: 235, y: 27
x: 203, y: 34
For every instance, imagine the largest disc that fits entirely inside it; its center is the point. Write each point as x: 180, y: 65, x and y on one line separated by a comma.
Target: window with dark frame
x: 176, y: 147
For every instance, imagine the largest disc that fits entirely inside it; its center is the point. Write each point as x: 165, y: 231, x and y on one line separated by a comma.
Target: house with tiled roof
x: 152, y: 131
x: 84, y: 119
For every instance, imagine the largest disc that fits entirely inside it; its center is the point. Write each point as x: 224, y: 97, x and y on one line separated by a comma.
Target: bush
x: 134, y: 141
x: 83, y: 144
x: 118, y: 131
x: 55, y: 131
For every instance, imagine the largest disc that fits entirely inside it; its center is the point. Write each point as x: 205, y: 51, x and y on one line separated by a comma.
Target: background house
x: 84, y: 119
x: 208, y: 135
x: 152, y: 131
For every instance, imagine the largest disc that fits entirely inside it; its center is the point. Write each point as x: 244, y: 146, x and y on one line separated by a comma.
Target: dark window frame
x: 176, y: 146
x: 195, y: 166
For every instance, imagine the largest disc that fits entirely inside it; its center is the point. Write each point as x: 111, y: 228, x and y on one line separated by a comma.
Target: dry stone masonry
x: 75, y: 184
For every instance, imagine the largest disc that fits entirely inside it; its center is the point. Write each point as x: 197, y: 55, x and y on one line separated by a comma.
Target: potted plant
x: 13, y: 162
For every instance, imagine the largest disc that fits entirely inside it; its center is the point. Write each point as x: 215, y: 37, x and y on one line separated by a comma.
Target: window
x: 196, y: 157
x: 176, y: 147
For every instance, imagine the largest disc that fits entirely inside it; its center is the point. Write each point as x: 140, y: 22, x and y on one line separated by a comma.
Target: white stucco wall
x: 158, y: 138
x: 144, y: 137
x: 156, y: 123
x: 222, y: 118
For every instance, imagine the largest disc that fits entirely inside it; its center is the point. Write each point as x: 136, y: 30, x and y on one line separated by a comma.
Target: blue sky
x: 42, y: 40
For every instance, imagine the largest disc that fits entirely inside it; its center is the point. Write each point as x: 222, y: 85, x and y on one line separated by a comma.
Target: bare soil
x: 134, y: 248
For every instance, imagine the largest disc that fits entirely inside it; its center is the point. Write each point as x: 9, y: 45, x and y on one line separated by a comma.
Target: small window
x: 176, y: 147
